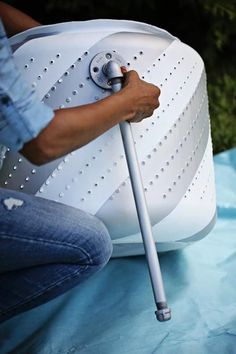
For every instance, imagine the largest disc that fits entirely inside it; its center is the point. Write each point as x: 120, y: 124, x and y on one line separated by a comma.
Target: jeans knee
x: 102, y: 245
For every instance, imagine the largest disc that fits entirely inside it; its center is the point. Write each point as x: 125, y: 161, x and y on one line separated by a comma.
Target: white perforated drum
x: 173, y: 146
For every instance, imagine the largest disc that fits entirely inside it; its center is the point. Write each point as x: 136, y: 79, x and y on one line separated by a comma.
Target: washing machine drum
x: 173, y: 146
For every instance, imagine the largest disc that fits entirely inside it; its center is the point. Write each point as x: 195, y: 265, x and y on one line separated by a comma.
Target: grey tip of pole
x: 163, y: 315
x: 163, y: 312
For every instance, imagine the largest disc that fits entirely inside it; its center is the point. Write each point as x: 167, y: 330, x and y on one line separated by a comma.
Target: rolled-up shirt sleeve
x: 22, y: 114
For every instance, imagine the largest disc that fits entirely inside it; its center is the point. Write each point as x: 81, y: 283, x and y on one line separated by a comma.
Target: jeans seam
x: 42, y: 241
x: 35, y: 295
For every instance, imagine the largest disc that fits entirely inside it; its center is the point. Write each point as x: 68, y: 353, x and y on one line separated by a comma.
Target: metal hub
x: 98, y: 64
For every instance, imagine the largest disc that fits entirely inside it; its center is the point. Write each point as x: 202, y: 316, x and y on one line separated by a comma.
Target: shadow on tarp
x: 113, y: 311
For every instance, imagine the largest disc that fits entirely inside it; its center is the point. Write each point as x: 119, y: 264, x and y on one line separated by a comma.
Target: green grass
x: 222, y: 105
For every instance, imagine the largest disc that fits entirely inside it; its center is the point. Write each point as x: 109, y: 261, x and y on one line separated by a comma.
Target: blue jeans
x: 46, y: 248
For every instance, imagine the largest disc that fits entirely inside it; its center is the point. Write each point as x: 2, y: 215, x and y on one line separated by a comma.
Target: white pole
x: 163, y: 313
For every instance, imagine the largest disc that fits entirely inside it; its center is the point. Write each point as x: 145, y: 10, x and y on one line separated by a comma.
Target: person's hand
x: 143, y: 97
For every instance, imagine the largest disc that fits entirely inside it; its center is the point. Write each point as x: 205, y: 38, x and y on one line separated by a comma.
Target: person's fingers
x: 157, y: 103
x: 158, y: 90
x: 142, y: 116
x: 123, y: 69
x: 132, y: 74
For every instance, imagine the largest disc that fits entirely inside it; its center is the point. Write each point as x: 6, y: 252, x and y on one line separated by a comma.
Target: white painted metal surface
x: 173, y: 146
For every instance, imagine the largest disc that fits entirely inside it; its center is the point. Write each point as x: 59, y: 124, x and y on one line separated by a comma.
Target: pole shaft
x: 163, y: 313
x: 142, y: 211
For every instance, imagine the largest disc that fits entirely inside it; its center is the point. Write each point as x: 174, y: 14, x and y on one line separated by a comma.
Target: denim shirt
x: 22, y: 114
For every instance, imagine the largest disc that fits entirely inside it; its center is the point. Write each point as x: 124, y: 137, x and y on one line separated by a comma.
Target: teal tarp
x: 113, y: 312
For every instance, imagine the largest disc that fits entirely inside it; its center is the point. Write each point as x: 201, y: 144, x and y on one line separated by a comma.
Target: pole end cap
x: 163, y: 314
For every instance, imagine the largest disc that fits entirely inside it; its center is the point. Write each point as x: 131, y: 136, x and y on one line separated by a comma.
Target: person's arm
x: 14, y: 20
x: 72, y: 128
